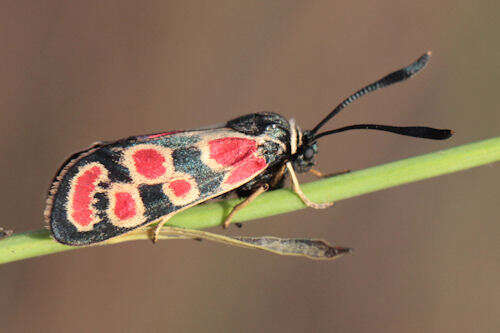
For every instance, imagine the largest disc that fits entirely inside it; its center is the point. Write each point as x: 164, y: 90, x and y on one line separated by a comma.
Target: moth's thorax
x: 270, y: 127
x: 263, y: 123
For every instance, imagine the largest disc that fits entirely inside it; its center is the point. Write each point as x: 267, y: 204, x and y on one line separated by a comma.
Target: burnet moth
x: 113, y: 188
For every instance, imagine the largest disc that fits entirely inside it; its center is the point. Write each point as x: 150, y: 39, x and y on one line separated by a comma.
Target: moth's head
x: 303, y: 156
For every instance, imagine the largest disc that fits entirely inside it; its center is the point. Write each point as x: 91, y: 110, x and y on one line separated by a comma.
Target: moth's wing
x: 111, y: 189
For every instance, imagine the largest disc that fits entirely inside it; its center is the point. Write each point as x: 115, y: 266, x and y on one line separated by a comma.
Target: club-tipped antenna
x: 414, y: 131
x: 394, y: 77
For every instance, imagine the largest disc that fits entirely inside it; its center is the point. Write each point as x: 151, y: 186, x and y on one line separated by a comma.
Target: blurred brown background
x: 427, y: 254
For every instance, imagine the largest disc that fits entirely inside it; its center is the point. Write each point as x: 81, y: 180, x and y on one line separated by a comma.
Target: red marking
x: 84, y: 186
x: 152, y: 136
x: 149, y: 163
x: 231, y: 151
x: 125, y: 205
x: 247, y: 168
x: 180, y: 187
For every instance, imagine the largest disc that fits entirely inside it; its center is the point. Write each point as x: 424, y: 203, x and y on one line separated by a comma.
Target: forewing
x: 110, y: 189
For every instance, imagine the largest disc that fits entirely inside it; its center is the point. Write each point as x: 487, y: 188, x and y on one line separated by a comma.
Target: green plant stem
x: 36, y: 243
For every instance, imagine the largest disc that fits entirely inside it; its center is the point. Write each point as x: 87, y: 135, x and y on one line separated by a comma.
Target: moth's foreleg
x: 298, y: 191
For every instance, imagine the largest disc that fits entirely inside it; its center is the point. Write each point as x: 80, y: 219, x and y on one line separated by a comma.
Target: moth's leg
x: 158, y: 228
x: 320, y: 174
x: 302, y: 196
x: 243, y: 204
x: 278, y: 180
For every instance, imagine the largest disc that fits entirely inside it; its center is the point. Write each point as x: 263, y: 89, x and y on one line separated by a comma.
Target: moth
x: 113, y: 188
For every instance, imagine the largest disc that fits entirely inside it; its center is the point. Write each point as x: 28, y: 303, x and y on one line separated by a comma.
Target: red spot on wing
x: 149, y: 163
x: 152, y: 136
x: 180, y: 187
x: 246, y: 169
x: 84, y: 186
x: 125, y: 205
x: 231, y: 151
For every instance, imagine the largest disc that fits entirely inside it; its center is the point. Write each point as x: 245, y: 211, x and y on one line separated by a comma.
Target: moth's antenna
x: 394, y: 77
x: 414, y: 131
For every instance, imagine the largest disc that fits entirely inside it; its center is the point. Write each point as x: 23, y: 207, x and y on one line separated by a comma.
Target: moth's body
x: 113, y: 188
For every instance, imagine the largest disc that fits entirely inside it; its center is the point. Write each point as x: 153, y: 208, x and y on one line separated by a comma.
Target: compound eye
x: 308, y: 153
